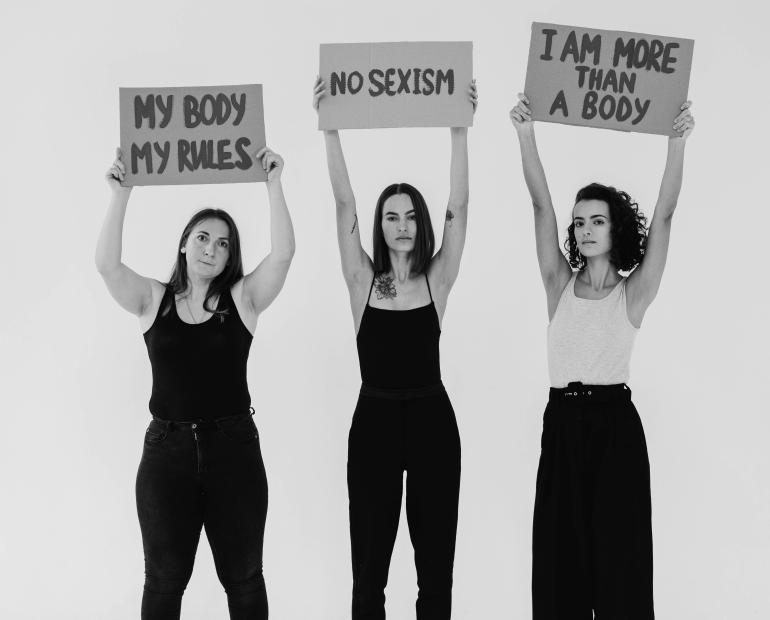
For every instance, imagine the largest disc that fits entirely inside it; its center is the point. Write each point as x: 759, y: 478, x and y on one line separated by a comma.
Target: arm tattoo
x: 384, y: 287
x: 449, y: 217
x: 355, y: 223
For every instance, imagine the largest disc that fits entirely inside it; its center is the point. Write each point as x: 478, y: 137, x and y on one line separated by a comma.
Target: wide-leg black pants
x: 592, y: 535
x: 392, y: 432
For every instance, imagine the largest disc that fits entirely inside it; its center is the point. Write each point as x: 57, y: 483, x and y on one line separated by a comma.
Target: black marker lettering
x: 448, y: 77
x: 560, y: 103
x: 144, y: 153
x: 374, y: 74
x: 245, y: 162
x: 549, y: 33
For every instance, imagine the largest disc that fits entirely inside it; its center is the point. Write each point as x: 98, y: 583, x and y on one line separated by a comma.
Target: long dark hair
x: 424, y: 241
x: 628, y: 228
x: 232, y: 272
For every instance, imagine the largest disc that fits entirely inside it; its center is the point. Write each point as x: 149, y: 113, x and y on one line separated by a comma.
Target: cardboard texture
x: 181, y: 136
x: 396, y: 85
x: 605, y: 78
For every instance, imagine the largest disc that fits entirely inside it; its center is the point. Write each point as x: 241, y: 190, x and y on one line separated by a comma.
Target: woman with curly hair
x: 403, y: 420
x: 592, y: 535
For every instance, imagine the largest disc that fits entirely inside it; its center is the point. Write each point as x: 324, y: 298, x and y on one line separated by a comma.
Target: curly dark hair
x: 628, y: 228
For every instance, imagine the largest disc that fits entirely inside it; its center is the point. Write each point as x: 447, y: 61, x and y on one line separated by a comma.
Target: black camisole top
x: 399, y: 349
x: 198, y: 370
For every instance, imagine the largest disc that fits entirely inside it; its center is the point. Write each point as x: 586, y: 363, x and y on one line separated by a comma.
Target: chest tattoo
x: 384, y: 287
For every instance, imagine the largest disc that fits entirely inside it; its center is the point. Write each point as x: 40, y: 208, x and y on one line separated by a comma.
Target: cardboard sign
x: 396, y: 85
x: 180, y: 136
x: 605, y: 78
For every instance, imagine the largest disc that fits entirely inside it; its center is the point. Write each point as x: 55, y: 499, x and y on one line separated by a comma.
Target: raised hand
x: 473, y: 95
x: 521, y: 115
x: 116, y: 174
x: 272, y: 163
x: 319, y: 90
x: 684, y: 122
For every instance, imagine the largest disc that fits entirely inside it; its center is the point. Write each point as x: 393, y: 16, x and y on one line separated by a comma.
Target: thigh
x: 433, y: 477
x: 621, y: 524
x: 168, y: 501
x: 235, y: 487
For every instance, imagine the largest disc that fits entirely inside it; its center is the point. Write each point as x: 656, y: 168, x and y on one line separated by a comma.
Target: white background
x: 75, y: 375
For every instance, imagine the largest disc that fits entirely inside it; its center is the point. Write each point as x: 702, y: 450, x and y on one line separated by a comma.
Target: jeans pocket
x: 240, y: 429
x: 156, y: 432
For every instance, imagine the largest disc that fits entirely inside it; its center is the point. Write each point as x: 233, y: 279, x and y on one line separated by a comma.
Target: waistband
x: 200, y: 423
x: 577, y: 391
x: 403, y: 393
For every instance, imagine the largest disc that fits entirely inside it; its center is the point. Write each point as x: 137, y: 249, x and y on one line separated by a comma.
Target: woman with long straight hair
x: 201, y: 464
x: 403, y: 420
x: 592, y: 535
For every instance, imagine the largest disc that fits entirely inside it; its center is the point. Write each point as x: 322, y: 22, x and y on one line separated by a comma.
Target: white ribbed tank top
x: 590, y: 340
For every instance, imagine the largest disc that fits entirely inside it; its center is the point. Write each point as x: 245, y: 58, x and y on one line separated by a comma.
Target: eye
x: 200, y: 237
x: 223, y: 243
x: 411, y: 217
x: 390, y: 218
x: 598, y: 222
x: 578, y: 224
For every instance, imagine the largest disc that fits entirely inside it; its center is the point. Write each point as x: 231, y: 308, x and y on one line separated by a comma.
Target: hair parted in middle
x: 233, y: 271
x: 628, y: 228
x: 424, y: 241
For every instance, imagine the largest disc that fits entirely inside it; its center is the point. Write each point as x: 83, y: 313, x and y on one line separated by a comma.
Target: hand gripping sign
x: 605, y: 78
x: 179, y: 136
x: 396, y: 85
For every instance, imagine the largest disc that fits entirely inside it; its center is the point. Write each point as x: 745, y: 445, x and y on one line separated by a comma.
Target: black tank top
x: 399, y: 348
x: 198, y: 371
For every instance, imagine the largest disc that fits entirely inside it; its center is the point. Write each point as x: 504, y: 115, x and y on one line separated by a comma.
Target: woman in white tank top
x: 592, y: 539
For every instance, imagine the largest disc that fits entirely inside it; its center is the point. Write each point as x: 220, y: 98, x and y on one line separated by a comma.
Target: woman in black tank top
x: 403, y: 420
x: 201, y: 463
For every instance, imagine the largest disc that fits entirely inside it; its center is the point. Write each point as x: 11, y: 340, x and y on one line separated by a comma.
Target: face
x: 399, y: 223
x: 592, y: 227
x: 208, y: 248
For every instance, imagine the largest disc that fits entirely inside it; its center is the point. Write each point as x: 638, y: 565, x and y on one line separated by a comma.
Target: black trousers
x: 202, y: 474
x: 392, y: 432
x: 592, y: 535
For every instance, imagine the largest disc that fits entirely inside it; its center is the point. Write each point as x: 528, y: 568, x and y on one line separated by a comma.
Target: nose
x: 208, y: 249
x: 402, y: 225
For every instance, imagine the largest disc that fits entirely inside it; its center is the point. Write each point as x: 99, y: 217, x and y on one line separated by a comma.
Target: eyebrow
x: 580, y: 217
x: 207, y: 233
x: 394, y: 213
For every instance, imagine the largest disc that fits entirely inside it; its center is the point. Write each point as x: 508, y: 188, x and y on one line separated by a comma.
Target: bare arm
x: 356, y: 265
x: 446, y: 264
x: 554, y: 268
x: 261, y: 286
x: 644, y: 282
x: 132, y: 291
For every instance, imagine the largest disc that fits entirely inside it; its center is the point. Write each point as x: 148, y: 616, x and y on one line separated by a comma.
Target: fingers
x: 520, y: 113
x: 523, y: 98
x: 473, y: 94
x: 319, y: 90
x: 116, y: 173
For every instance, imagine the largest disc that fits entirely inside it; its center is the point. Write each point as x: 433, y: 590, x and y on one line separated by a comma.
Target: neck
x: 197, y: 287
x: 401, y: 265
x: 599, y: 272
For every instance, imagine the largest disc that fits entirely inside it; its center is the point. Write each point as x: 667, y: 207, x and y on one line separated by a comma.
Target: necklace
x: 189, y: 309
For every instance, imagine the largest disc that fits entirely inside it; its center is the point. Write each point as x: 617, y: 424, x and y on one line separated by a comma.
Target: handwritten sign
x: 179, y: 136
x: 604, y: 78
x: 396, y: 85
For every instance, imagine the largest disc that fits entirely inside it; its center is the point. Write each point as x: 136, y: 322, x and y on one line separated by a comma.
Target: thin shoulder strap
x: 428, y: 283
x: 369, y: 296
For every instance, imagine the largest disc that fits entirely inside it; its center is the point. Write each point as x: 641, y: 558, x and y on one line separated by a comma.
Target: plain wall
x: 75, y: 379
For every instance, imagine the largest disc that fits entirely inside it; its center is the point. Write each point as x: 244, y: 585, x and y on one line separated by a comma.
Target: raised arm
x: 132, y: 291
x: 554, y: 268
x: 356, y: 265
x: 446, y: 264
x: 261, y: 286
x: 644, y: 282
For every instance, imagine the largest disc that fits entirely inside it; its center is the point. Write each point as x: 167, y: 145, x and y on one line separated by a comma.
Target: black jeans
x: 392, y: 432
x: 592, y: 536
x: 202, y: 474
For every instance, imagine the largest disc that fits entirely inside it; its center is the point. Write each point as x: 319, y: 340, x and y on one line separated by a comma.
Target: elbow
x: 285, y: 254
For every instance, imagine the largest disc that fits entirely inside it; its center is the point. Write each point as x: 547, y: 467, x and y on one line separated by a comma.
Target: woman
x: 403, y: 420
x: 201, y: 463
x: 592, y: 537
